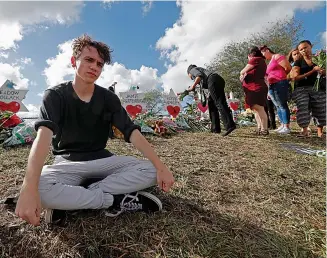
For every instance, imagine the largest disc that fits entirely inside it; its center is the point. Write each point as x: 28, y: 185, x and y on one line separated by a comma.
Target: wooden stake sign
x: 172, y: 104
x: 11, y: 99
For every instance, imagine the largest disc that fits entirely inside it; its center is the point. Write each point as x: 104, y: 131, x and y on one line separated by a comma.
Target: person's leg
x: 302, y: 100
x: 281, y: 97
x: 262, y: 116
x: 272, y: 93
x: 318, y: 109
x: 258, y: 120
x: 59, y: 187
x: 271, y: 113
x: 267, y: 113
x: 216, y: 85
x: 60, y: 183
x: 123, y: 174
x: 214, y: 116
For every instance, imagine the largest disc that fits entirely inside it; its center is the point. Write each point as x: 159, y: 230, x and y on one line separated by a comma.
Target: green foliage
x: 280, y: 36
x: 154, y: 101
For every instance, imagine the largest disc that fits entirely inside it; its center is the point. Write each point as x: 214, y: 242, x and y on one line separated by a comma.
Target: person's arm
x: 29, y: 204
x: 283, y: 62
x: 195, y: 73
x: 322, y: 72
x: 165, y: 178
x: 296, y: 76
x: 247, y: 69
x: 132, y: 134
x: 196, y: 82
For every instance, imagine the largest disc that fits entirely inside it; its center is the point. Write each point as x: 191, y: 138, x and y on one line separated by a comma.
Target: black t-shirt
x: 81, y: 129
x: 304, y: 68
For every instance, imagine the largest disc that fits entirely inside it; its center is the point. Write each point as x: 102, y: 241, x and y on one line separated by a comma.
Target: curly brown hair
x: 86, y: 41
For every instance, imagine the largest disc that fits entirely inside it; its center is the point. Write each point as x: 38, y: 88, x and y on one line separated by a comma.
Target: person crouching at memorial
x: 79, y: 114
x: 216, y: 101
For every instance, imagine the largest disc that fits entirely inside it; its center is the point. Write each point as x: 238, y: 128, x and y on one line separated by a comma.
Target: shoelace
x: 128, y: 206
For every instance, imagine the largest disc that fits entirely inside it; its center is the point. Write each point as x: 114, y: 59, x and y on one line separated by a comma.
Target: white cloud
x: 4, y: 55
x: 13, y: 73
x: 13, y: 32
x: 146, y: 6
x: 33, y: 111
x: 41, y: 94
x: 59, y: 69
x: 32, y: 108
x: 323, y: 38
x: 33, y: 83
x: 16, y: 16
x: 146, y: 77
x: 204, y: 27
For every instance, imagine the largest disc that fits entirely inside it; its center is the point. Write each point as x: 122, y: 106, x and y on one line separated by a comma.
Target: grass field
x: 238, y: 196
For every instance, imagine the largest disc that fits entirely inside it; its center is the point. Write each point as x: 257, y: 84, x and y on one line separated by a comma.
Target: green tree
x: 154, y: 101
x: 280, y: 36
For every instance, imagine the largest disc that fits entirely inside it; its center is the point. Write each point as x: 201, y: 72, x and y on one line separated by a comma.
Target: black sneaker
x: 229, y: 131
x: 139, y: 201
x: 9, y: 201
x: 52, y: 216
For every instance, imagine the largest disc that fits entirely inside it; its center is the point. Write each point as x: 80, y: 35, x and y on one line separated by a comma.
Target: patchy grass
x: 238, y: 196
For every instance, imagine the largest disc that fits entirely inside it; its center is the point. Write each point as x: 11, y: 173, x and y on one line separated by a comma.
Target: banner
x: 11, y: 99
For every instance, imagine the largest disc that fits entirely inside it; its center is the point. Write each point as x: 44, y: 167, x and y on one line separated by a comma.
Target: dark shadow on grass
x: 183, y: 230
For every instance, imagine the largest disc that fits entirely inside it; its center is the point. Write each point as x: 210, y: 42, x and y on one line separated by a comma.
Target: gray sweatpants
x: 60, y: 182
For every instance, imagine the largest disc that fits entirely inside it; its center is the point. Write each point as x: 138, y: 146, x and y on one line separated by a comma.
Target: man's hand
x: 29, y: 205
x: 191, y: 88
x: 165, y: 178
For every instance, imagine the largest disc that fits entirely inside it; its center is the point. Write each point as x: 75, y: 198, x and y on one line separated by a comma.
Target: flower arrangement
x: 320, y: 60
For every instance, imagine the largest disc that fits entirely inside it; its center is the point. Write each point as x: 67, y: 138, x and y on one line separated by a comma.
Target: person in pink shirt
x: 276, y: 73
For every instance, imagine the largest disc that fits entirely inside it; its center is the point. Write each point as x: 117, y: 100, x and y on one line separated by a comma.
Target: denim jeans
x: 278, y: 93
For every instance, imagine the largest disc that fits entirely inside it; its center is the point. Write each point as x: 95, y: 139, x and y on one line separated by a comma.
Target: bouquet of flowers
x: 320, y: 60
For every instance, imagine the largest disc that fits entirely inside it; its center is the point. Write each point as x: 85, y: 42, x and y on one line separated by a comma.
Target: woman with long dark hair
x: 255, y: 88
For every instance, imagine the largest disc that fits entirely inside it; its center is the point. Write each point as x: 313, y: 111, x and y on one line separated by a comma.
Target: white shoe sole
x: 48, y: 216
x: 152, y: 197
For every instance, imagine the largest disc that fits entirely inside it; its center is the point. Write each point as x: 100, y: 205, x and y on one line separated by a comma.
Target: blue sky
x: 139, y: 39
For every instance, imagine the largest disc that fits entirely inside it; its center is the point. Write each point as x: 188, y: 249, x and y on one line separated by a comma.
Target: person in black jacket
x: 216, y: 100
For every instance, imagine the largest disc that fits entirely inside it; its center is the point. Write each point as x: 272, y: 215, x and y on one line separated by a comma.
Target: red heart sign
x: 12, y: 106
x: 202, y: 108
x: 134, y: 110
x: 173, y: 111
x: 233, y: 105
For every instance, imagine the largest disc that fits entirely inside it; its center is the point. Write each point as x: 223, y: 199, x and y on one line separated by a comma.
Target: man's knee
x: 45, y: 187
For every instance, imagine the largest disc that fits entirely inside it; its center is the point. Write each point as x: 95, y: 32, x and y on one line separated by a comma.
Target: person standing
x: 216, y: 101
x: 310, y: 103
x: 255, y: 88
x: 277, y: 71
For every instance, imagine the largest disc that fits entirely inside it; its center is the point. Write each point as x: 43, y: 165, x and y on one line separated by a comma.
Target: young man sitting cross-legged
x: 77, y: 117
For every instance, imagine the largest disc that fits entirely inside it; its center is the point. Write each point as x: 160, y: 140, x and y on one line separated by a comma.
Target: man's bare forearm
x: 36, y: 159
x: 140, y: 143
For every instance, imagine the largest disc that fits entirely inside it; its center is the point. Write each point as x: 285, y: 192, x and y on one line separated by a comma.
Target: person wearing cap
x: 277, y: 71
x: 216, y: 101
